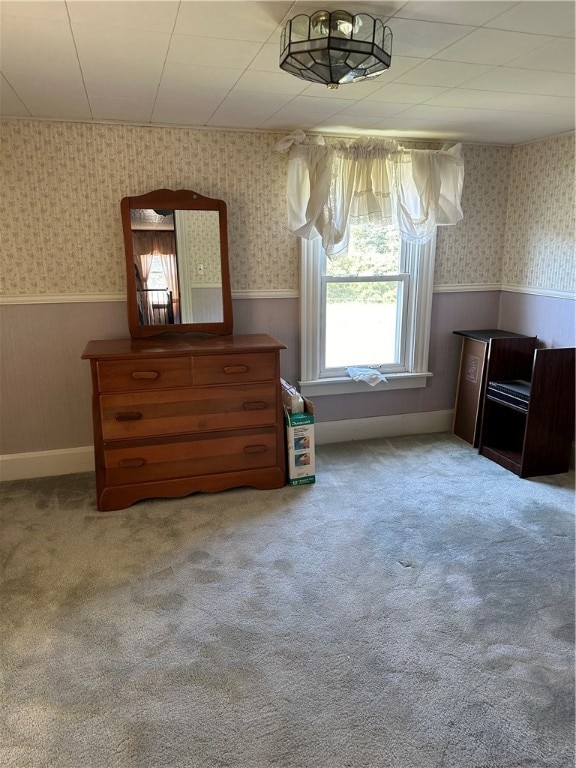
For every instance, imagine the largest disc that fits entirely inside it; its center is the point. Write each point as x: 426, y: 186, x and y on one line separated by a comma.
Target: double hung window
x: 369, y: 307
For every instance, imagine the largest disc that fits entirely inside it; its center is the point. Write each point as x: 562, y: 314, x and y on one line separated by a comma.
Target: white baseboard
x: 64, y: 461
x: 383, y: 426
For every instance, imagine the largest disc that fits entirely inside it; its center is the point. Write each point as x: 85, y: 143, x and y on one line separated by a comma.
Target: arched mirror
x: 177, y: 270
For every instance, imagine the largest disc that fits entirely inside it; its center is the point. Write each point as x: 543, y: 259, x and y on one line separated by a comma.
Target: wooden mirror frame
x: 183, y: 200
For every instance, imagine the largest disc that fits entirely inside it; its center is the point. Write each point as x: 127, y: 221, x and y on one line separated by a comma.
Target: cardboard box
x: 301, y: 450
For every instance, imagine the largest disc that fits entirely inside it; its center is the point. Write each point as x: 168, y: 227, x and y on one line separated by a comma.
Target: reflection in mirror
x: 177, y: 266
x: 178, y: 276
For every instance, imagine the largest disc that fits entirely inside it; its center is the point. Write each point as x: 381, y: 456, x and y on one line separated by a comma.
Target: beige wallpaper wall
x: 63, y: 182
x: 203, y: 246
x: 470, y: 253
x: 539, y: 243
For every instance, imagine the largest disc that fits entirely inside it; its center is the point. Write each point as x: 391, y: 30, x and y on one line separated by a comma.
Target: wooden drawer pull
x: 256, y: 405
x: 137, y: 462
x: 145, y: 374
x: 255, y: 449
x: 128, y: 416
x: 236, y: 369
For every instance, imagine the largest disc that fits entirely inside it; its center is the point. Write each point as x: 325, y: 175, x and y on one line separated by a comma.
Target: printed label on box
x: 301, y: 452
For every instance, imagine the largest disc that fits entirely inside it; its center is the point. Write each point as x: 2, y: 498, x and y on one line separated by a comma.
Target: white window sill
x: 345, y: 386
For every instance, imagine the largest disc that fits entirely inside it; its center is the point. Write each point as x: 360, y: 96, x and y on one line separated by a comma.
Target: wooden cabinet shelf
x: 472, y: 377
x: 529, y: 434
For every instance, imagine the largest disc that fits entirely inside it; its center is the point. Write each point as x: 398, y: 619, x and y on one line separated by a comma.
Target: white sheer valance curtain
x: 410, y: 190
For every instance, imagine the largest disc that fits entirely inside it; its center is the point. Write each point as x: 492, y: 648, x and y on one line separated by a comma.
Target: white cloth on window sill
x: 369, y: 375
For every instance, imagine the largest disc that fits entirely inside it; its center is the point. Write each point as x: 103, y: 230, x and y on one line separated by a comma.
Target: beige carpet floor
x: 412, y: 609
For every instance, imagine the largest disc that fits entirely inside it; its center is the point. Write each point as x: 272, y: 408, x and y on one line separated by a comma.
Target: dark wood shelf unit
x: 535, y: 439
x: 472, y: 376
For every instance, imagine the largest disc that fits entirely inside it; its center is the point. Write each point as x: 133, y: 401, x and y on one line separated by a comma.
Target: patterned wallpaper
x: 470, y: 253
x: 203, y: 245
x: 539, y: 244
x: 63, y: 182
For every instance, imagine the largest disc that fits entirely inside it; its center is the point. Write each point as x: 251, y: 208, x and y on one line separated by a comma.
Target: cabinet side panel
x: 550, y: 424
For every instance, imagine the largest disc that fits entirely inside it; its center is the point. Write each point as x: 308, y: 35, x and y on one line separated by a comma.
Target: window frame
x: 416, y: 261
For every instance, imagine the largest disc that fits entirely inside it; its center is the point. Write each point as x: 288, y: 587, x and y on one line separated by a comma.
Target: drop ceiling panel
x: 230, y: 20
x: 475, y: 70
x: 537, y: 18
x: 424, y: 38
x: 475, y: 13
x: 152, y: 16
x: 515, y: 81
x: 199, y: 51
x: 492, y: 46
x: 446, y: 73
x: 122, y: 63
x: 556, y: 56
x: 39, y: 61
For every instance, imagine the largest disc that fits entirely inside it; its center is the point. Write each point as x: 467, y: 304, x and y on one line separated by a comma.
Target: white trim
x: 64, y: 461
x: 467, y: 287
x: 62, y: 298
x: 78, y: 298
x: 267, y: 293
x: 345, y: 386
x: 383, y: 426
x: 540, y: 292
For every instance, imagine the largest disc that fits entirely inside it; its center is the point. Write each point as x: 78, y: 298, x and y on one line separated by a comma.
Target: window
x: 369, y: 307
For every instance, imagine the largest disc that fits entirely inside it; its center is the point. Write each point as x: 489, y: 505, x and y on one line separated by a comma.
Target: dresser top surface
x: 175, y: 346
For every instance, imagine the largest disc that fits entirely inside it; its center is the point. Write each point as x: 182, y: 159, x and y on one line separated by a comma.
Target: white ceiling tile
x: 271, y: 82
x: 266, y: 60
x: 39, y: 61
x: 399, y: 66
x: 308, y: 105
x: 522, y: 81
x: 123, y: 63
x: 374, y: 109
x: 243, y: 109
x: 556, y: 56
x: 514, y: 102
x: 133, y: 110
x: 344, y: 123
x: 230, y: 20
x: 52, y: 11
x: 396, y: 128
x: 504, y: 81
x: 187, y: 110
x: 181, y: 81
x: 538, y: 18
x: 152, y: 15
x: 423, y: 39
x: 10, y: 104
x: 474, y: 12
x: 492, y: 46
x: 199, y: 51
x: 447, y: 73
x: 346, y: 91
x: 402, y: 93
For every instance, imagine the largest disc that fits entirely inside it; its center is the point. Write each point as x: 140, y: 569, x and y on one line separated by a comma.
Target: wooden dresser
x: 177, y: 415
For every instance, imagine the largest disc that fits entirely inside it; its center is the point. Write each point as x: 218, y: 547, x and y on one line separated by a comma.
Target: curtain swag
x: 410, y: 190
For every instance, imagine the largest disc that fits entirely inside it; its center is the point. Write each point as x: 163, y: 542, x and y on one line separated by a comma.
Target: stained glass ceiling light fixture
x: 335, y: 47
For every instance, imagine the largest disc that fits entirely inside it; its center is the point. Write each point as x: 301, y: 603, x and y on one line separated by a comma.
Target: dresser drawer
x: 141, y: 375
x: 191, y: 457
x: 148, y: 414
x: 234, y: 369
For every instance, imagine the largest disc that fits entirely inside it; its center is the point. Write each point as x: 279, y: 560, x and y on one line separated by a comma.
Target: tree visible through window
x: 364, y: 295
